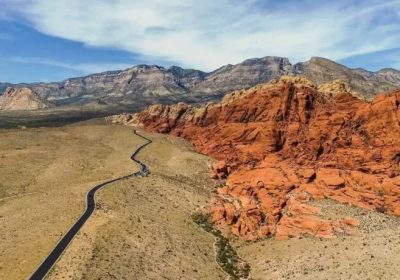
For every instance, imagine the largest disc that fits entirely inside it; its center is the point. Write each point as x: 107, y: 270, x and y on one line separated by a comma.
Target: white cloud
x: 84, y: 68
x: 209, y: 33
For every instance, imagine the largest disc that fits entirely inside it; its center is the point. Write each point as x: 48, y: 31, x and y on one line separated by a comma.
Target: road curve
x: 52, y: 258
x: 144, y: 170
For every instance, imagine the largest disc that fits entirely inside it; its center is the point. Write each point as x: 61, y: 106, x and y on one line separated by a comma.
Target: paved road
x: 52, y: 258
x: 144, y: 170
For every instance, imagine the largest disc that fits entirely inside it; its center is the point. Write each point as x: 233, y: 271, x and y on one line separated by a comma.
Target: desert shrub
x: 227, y: 257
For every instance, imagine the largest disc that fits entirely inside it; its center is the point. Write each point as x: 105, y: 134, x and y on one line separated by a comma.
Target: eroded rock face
x: 284, y: 144
x: 21, y: 99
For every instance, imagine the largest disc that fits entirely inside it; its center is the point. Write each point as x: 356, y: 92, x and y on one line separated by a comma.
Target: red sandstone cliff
x: 285, y: 143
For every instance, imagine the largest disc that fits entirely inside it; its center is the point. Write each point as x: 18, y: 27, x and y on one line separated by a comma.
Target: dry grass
x: 143, y: 227
x: 44, y: 175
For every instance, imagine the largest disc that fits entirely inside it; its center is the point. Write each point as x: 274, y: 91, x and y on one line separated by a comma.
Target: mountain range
x: 146, y: 84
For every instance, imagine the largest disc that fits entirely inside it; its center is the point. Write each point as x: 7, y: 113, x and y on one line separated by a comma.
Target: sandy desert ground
x: 143, y: 227
x: 44, y: 175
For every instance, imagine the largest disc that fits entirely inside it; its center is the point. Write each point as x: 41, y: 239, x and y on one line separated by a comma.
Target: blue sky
x: 45, y: 40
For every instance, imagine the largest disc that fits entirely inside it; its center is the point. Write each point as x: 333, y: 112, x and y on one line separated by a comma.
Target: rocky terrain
x: 286, y: 144
x: 15, y: 99
x: 148, y: 84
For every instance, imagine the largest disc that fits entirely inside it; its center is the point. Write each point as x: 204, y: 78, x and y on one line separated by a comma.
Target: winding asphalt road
x: 52, y: 258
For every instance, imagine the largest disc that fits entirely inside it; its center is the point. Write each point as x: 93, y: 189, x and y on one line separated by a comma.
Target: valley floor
x: 142, y: 228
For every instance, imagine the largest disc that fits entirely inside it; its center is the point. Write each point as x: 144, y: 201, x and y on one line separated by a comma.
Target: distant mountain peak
x: 22, y: 99
x: 391, y: 70
x: 149, y: 83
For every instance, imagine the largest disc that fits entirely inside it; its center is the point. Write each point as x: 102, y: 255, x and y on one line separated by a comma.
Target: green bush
x: 227, y: 257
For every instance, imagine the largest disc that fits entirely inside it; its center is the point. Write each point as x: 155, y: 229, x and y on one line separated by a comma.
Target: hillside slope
x: 15, y: 99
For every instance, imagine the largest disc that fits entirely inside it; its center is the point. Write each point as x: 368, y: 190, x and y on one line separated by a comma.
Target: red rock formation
x: 285, y: 143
